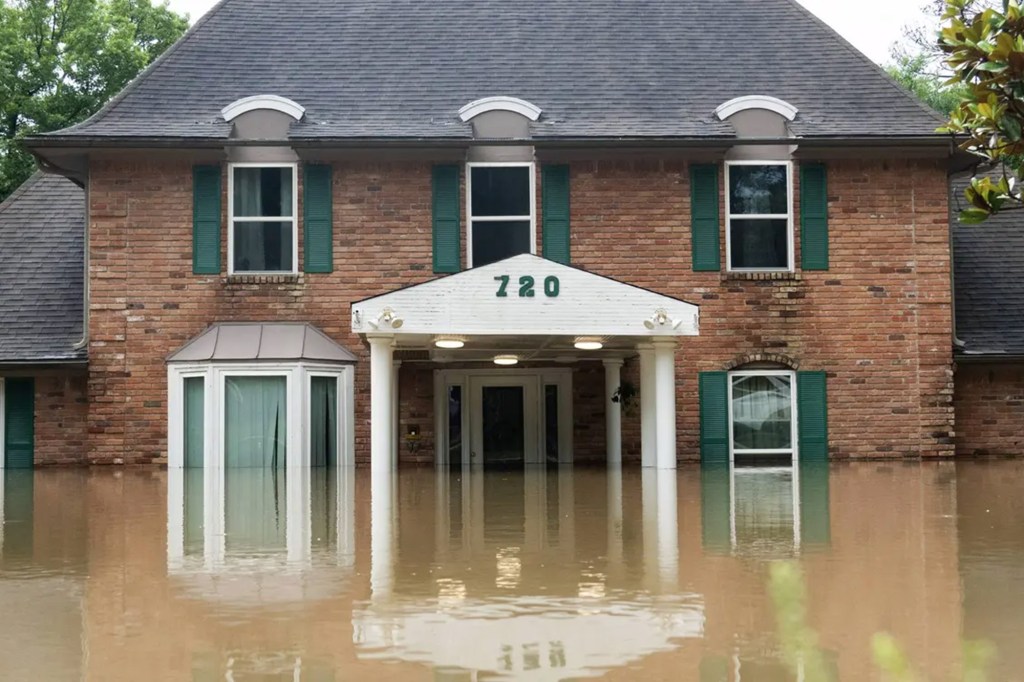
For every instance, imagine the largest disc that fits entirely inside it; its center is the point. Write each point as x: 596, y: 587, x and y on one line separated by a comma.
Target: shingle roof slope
x: 42, y: 228
x: 988, y: 279
x: 598, y: 68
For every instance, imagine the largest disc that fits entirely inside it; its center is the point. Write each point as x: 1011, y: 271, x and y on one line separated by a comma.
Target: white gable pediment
x: 526, y: 295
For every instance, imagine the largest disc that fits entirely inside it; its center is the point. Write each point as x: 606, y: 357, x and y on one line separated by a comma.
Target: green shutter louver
x: 447, y: 211
x: 812, y: 416
x: 206, y: 211
x: 714, y: 417
x: 716, y: 507
x: 19, y: 423
x: 704, y: 218
x: 555, y: 204
x: 814, y: 217
x: 815, y: 514
x: 317, y: 219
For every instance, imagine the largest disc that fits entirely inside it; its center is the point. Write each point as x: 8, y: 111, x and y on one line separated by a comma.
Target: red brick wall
x: 989, y: 403
x: 61, y: 410
x: 878, y: 321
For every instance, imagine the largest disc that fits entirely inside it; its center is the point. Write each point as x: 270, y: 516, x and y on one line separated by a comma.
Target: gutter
x: 989, y: 358
x: 184, y: 142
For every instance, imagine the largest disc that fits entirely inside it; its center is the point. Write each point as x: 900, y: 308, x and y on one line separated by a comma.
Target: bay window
x: 759, y: 216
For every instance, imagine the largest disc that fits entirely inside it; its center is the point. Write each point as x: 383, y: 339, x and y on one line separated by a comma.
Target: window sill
x: 782, y: 276
x: 284, y: 278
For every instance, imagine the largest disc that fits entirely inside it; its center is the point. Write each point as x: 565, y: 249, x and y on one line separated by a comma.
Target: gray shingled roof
x: 42, y: 227
x: 988, y: 267
x: 401, y: 69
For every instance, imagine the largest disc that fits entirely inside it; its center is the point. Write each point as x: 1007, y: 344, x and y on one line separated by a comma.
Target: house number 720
x: 526, y: 286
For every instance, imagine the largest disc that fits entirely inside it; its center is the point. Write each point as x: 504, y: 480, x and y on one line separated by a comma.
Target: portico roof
x: 525, y: 295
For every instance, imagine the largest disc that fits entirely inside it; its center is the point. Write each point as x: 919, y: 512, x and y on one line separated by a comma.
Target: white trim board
x: 499, y: 103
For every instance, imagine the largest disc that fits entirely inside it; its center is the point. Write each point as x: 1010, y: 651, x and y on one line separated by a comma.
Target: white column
x: 668, y: 530
x: 665, y: 399
x: 613, y: 411
x: 396, y: 435
x: 648, y: 405
x: 615, y: 547
x: 381, y: 404
x: 382, y: 466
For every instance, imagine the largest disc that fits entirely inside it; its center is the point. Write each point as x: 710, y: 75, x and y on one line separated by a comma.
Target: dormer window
x: 501, y: 211
x: 263, y: 238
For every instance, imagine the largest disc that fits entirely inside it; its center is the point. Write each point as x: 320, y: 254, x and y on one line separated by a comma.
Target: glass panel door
x: 323, y: 421
x: 504, y: 422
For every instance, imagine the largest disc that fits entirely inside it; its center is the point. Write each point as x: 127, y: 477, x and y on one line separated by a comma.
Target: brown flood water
x: 535, y: 576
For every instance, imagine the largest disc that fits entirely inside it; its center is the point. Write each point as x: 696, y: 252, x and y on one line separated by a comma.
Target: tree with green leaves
x: 61, y: 60
x: 983, y: 47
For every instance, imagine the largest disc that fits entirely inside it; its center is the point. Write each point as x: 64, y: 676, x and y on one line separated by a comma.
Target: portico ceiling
x: 525, y: 303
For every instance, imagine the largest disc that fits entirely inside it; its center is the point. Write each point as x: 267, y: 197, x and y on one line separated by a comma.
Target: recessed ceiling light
x: 588, y: 344
x: 449, y: 343
x: 506, y: 360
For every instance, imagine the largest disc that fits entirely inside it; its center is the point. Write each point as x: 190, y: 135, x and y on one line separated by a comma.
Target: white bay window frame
x: 294, y: 218
x: 791, y: 242
x: 470, y: 219
x: 792, y: 451
x: 298, y: 382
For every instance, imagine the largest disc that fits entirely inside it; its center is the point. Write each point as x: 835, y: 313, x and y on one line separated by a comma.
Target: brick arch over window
x: 759, y: 358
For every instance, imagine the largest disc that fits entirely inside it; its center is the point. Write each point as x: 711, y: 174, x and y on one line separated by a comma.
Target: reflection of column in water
x: 382, y: 498
x: 668, y: 528
x: 614, y: 475
x: 649, y: 483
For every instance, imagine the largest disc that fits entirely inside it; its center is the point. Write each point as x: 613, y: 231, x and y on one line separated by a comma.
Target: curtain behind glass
x: 262, y: 193
x: 761, y: 413
x: 255, y: 422
x: 323, y: 421
x: 195, y: 416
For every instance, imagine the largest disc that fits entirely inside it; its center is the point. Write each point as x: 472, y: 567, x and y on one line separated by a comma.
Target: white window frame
x: 269, y: 219
x: 793, y: 450
x: 790, y: 266
x: 298, y: 414
x: 492, y: 219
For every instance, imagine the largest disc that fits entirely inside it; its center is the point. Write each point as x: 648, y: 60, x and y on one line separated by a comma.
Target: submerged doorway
x: 504, y: 418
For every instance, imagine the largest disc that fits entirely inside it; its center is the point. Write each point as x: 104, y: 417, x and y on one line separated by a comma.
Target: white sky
x: 871, y: 25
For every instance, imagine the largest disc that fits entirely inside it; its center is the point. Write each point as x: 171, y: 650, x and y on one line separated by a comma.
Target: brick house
x: 369, y: 231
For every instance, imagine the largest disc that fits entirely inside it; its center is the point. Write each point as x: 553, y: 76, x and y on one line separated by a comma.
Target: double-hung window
x: 762, y: 410
x: 263, y: 233
x: 501, y: 211
x: 759, y: 210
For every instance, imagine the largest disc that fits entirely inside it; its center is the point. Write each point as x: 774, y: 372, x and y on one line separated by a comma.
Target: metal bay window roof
x: 262, y: 341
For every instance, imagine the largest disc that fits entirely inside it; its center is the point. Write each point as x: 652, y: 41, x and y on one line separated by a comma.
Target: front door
x: 504, y: 430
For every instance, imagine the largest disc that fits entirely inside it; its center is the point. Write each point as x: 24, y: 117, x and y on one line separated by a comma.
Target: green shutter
x: 815, y: 515
x: 812, y: 416
x: 206, y: 190
x: 555, y: 202
x: 715, y: 507
x: 813, y: 217
x: 704, y: 223
x: 714, y: 417
x: 447, y: 224
x: 19, y: 423
x: 18, y: 500
x: 317, y: 219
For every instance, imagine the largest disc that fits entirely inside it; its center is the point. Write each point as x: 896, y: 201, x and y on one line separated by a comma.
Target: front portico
x: 508, y: 336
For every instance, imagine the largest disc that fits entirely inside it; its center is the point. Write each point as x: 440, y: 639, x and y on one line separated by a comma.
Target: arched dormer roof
x: 500, y: 103
x: 763, y: 102
x: 263, y: 102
